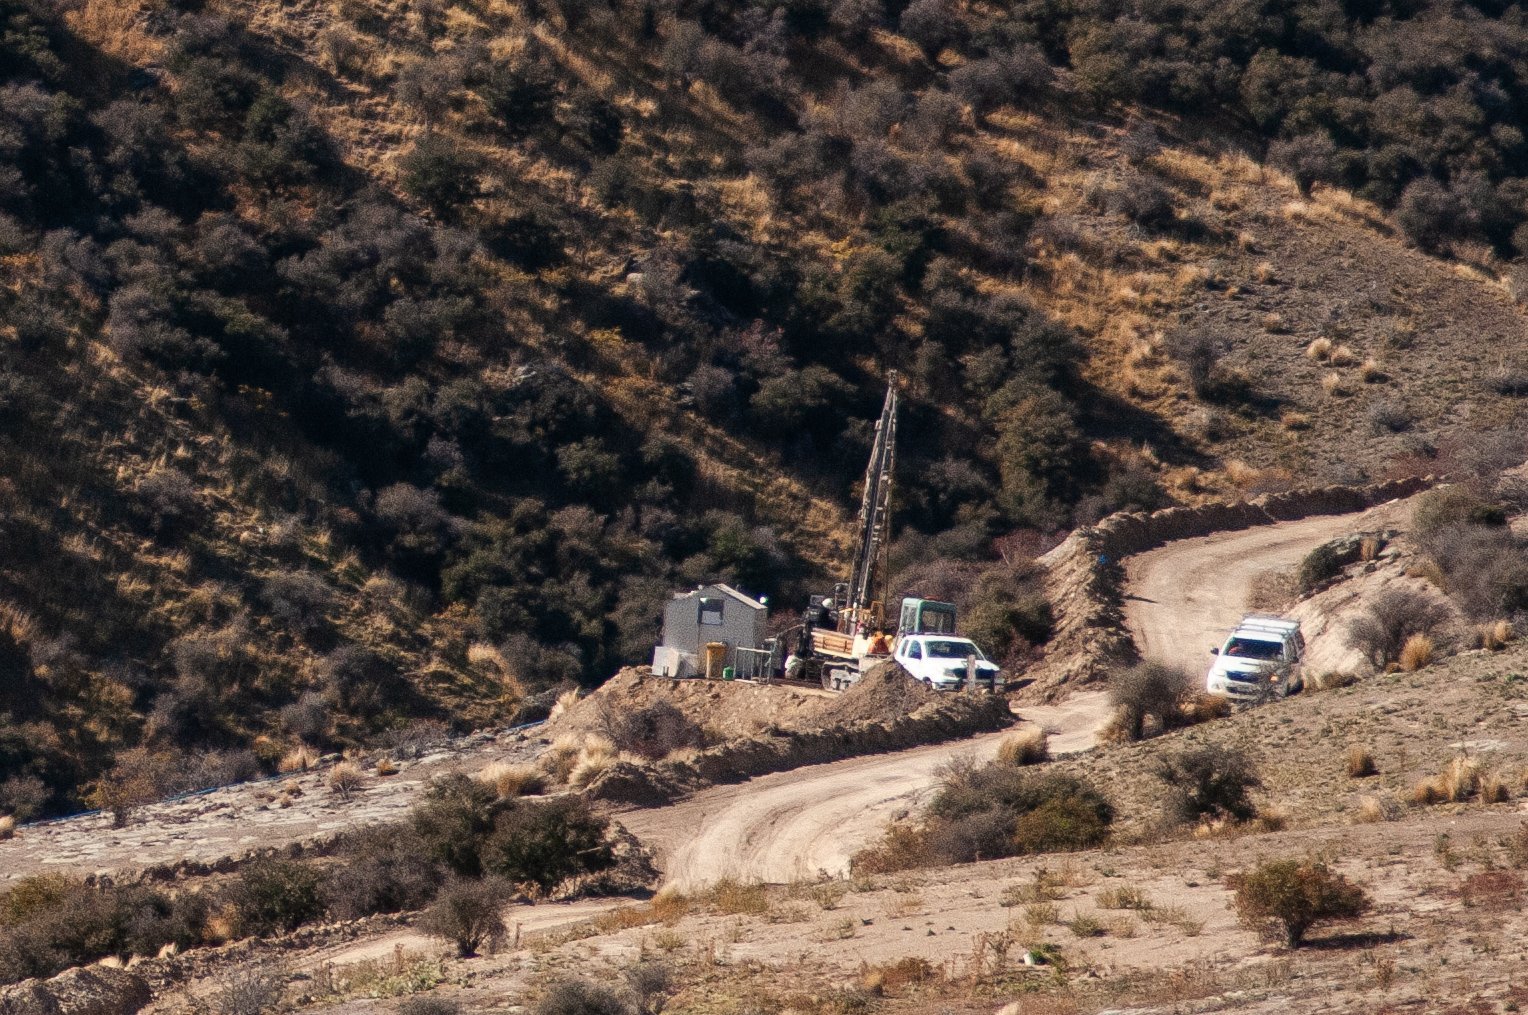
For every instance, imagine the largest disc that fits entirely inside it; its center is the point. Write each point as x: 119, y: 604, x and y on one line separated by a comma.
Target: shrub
x: 438, y: 173
x: 543, y: 842
x: 1429, y: 214
x: 1209, y: 782
x: 651, y: 983
x: 139, y: 776
x: 1394, y: 616
x: 252, y: 991
x: 1147, y: 691
x: 469, y: 914
x: 931, y: 25
x: 274, y: 897
x: 991, y: 811
x: 1390, y: 417
x: 453, y: 820
x: 1360, y: 762
x: 654, y: 732
x: 579, y: 997
x: 382, y: 869
x: 1284, y: 899
x: 7, y: 827
x: 429, y: 1006
x: 1451, y: 507
x: 1320, y: 566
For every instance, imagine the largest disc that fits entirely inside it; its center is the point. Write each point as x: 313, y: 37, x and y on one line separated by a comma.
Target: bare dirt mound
x: 725, y: 709
x: 884, y: 693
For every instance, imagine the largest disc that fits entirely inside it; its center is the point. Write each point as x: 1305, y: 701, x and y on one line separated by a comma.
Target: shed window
x: 711, y: 611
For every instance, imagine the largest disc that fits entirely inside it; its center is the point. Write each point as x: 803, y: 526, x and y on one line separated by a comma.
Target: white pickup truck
x: 1260, y: 659
x: 939, y: 661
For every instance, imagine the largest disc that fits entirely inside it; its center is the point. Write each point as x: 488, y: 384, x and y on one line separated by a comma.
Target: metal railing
x: 754, y: 664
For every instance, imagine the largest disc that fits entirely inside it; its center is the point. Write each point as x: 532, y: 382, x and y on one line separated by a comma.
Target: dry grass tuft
x: 1320, y: 350
x: 1360, y: 763
x: 1342, y: 356
x: 565, y: 701
x: 1334, y: 385
x: 511, y: 780
x: 386, y: 767
x: 1029, y: 748
x: 7, y: 827
x: 1124, y: 897
x: 346, y: 779
x: 1370, y: 372
x: 730, y: 897
x: 1294, y: 421
x: 299, y: 759
x: 1493, y: 636
x: 593, y: 760
x: 1331, y: 680
x: 1493, y: 788
x: 1374, y: 809
x: 1416, y: 653
x: 1369, y: 547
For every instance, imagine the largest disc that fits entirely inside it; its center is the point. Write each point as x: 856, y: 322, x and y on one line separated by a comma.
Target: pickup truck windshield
x: 941, y: 649
x: 1253, y: 648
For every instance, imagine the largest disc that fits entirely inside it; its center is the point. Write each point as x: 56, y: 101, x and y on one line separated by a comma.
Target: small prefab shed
x: 712, y: 614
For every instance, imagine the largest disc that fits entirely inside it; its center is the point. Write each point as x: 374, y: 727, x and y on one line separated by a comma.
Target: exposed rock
x: 89, y: 990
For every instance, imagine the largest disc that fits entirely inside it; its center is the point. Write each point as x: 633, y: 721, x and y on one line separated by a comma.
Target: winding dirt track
x: 1186, y: 596
x: 801, y: 823
x: 1183, y: 598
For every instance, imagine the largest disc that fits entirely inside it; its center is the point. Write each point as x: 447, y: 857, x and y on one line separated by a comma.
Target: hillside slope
x: 374, y: 360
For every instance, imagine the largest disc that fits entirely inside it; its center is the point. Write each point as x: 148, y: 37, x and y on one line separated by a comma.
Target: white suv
x: 939, y: 660
x: 1260, y: 659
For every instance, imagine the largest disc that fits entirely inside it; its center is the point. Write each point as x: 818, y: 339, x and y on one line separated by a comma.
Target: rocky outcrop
x: 89, y: 990
x: 1085, y: 578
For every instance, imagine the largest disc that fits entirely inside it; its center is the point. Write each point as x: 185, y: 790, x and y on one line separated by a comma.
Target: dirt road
x: 1186, y: 596
x: 802, y: 823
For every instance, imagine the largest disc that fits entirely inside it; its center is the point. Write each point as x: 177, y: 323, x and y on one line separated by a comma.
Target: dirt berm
x: 886, y: 710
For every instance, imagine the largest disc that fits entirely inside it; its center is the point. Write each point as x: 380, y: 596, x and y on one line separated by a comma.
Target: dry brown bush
x: 1360, y: 762
x: 7, y: 827
x: 346, y: 779
x: 890, y: 978
x: 1332, y: 681
x: 1319, y: 350
x: 386, y: 767
x: 1029, y: 748
x: 1334, y: 385
x: 1492, y: 889
x: 1370, y: 372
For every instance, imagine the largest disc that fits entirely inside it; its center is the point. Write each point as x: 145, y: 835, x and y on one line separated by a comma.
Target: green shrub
x: 469, y: 914
x: 438, y: 173
x: 1284, y: 899
x: 1452, y: 506
x: 1209, y: 782
x: 543, y: 842
x: 381, y: 869
x: 580, y: 997
x: 274, y: 897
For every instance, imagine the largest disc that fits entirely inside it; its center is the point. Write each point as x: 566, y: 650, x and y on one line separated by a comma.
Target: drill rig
x: 847, y: 632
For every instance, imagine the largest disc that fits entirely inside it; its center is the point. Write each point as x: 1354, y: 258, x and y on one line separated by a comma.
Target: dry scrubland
x: 424, y: 347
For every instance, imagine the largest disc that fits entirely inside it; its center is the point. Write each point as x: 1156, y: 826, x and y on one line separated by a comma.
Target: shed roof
x: 725, y: 590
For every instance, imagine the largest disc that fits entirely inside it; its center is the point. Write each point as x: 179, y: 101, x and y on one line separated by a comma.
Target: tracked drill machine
x: 845, y: 633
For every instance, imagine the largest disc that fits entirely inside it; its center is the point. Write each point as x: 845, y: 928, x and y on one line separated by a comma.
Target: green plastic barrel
x: 728, y: 672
